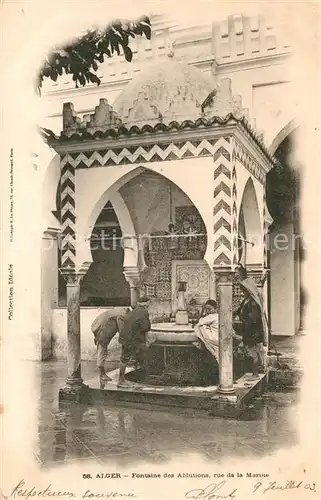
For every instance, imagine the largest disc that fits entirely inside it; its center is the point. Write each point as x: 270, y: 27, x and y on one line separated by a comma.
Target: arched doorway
x: 250, y: 227
x: 250, y: 251
x: 168, y: 231
x: 285, y: 241
x: 104, y: 283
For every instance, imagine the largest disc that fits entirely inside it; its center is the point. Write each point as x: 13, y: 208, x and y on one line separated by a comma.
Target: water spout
x: 181, y: 317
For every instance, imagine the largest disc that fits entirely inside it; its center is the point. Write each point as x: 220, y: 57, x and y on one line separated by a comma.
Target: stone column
x: 132, y: 276
x: 224, y: 289
x: 74, y: 388
x: 133, y: 296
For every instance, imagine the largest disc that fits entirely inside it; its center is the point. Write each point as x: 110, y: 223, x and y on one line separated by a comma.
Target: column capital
x: 258, y: 275
x: 72, y: 277
x: 132, y: 275
x: 53, y: 232
x: 224, y: 275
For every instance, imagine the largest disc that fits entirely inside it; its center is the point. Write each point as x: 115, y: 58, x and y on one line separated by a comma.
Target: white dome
x: 165, y: 92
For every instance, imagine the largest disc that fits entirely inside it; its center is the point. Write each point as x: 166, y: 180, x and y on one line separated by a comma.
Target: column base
x: 232, y: 405
x: 75, y: 394
x: 226, y: 390
x: 225, y: 405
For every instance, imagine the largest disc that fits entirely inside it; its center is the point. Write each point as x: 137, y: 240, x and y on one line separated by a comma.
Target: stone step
x: 205, y: 398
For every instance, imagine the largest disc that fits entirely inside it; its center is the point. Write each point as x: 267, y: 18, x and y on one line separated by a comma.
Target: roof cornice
x: 112, y: 138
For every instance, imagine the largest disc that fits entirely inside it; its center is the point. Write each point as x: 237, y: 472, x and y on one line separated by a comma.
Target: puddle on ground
x: 122, y: 435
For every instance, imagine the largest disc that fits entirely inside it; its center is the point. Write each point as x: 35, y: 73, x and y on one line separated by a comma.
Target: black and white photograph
x: 161, y: 250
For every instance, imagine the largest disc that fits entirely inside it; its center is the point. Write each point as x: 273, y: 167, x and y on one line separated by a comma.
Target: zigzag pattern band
x: 158, y: 152
x: 68, y: 216
x: 234, y: 210
x: 223, y: 210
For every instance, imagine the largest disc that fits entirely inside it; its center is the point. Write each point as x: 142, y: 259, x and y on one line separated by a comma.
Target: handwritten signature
x: 21, y: 491
x: 210, y: 492
x: 220, y: 491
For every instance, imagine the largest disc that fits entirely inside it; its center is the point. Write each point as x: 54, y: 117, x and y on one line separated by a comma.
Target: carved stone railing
x: 241, y: 38
x: 238, y: 38
x: 103, y: 117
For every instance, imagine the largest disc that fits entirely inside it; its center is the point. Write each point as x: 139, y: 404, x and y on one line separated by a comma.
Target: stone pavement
x: 123, y: 434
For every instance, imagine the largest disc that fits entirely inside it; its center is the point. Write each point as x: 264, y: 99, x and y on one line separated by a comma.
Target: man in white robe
x: 208, y: 327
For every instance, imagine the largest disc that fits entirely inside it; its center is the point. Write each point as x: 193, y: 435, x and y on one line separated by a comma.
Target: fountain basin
x: 170, y: 332
x: 173, y: 359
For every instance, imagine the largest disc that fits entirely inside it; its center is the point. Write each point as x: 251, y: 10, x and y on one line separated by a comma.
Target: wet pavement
x: 124, y: 434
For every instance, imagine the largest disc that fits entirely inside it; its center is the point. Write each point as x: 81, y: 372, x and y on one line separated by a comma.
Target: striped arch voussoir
x: 222, y: 208
x: 68, y: 212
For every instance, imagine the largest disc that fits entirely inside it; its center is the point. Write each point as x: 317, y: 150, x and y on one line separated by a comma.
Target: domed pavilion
x: 182, y: 170
x: 166, y: 92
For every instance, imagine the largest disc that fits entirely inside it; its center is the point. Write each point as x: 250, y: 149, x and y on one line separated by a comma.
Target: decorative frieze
x: 249, y: 162
x: 139, y: 154
x: 161, y: 152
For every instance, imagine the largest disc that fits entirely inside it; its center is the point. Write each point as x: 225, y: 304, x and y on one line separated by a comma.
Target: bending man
x: 133, y: 326
x: 104, y: 329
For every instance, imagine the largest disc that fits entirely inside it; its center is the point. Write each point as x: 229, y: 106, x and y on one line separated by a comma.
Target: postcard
x: 160, y: 250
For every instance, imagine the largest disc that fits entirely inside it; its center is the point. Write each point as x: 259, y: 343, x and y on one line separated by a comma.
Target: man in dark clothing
x: 104, y: 329
x: 253, y: 326
x: 132, y: 328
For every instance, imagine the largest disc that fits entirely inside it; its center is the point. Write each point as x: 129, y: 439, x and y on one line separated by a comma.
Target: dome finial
x: 170, y: 49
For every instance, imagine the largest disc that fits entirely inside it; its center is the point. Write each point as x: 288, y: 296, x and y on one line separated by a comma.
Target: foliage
x: 83, y: 56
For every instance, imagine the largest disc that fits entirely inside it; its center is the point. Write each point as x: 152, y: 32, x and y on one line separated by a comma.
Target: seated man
x: 132, y: 327
x: 104, y: 329
x: 207, y: 328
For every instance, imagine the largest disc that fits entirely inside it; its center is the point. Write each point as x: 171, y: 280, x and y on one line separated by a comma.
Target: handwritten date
x: 289, y: 485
